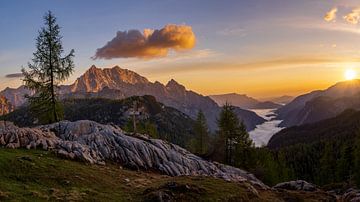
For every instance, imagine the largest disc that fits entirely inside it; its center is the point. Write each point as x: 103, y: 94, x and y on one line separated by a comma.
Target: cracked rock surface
x: 97, y: 143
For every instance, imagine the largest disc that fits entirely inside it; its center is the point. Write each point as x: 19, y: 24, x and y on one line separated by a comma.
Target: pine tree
x: 244, y: 156
x: 356, y: 156
x: 327, y: 162
x: 345, y: 163
x: 202, y: 134
x: 47, y: 70
x: 232, y: 133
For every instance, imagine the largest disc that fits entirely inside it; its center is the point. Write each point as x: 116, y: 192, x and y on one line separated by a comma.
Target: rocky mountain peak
x: 174, y: 85
x: 92, y: 68
x: 95, y: 79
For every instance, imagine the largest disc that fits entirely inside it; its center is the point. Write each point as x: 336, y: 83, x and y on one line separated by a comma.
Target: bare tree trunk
x: 53, y: 100
x: 134, y: 116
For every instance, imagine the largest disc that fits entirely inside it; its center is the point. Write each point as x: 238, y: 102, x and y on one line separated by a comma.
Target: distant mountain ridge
x: 344, y: 125
x: 243, y: 101
x: 16, y: 95
x: 118, y: 83
x: 320, y: 104
x: 285, y: 99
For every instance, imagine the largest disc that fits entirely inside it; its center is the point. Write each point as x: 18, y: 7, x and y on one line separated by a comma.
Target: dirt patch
x: 3, y: 195
x: 173, y: 191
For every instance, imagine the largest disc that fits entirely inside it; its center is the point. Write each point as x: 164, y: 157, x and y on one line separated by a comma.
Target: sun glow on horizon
x: 350, y: 74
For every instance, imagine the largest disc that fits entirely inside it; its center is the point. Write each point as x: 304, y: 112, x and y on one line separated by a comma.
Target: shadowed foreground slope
x: 34, y: 175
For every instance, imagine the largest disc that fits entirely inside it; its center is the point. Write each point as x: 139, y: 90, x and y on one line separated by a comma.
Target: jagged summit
x: 95, y: 79
x: 174, y: 85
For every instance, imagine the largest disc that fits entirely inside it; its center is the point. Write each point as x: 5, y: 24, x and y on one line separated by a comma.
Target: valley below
x: 263, y: 132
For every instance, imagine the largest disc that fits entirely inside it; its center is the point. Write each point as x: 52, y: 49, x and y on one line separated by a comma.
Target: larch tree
x: 46, y: 71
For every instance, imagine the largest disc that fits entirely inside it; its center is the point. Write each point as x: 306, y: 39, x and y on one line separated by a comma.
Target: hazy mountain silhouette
x: 320, y: 104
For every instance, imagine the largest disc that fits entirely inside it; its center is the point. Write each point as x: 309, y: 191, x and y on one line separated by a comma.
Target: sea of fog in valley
x: 263, y: 132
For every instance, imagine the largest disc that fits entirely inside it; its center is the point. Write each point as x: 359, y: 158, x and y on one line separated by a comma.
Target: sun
x: 350, y: 74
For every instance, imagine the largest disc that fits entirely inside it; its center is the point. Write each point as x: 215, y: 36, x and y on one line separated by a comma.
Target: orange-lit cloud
x: 353, y: 17
x: 331, y: 15
x: 149, y: 43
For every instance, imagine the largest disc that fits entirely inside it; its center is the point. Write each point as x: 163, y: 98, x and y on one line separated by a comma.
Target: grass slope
x: 34, y: 175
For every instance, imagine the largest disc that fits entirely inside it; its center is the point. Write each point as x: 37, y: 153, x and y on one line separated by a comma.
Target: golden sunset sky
x: 259, y: 48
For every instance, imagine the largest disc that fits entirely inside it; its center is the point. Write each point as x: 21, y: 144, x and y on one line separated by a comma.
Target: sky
x: 261, y: 48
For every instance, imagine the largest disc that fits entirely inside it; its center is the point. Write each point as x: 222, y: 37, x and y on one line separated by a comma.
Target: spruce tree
x: 232, y: 133
x: 47, y: 70
x: 202, y: 134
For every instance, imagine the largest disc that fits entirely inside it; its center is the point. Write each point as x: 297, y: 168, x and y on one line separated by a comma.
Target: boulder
x: 300, y: 185
x: 351, y: 195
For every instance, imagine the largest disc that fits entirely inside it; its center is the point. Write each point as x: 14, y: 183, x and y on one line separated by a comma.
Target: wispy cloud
x: 190, y: 55
x: 172, y: 59
x: 309, y: 23
x: 331, y: 15
x: 149, y: 43
x: 232, y: 31
x: 285, y: 62
x: 353, y: 17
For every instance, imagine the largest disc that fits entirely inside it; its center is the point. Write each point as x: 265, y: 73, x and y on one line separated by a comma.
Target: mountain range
x: 320, y: 104
x: 243, y: 101
x: 118, y: 83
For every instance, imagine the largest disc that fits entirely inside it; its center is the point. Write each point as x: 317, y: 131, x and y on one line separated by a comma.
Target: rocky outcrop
x: 96, y: 143
x: 5, y: 106
x: 351, y: 195
x: 299, y: 185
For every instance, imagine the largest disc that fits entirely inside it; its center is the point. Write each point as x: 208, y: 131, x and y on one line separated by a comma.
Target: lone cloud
x: 149, y: 43
x: 15, y: 75
x: 331, y: 15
